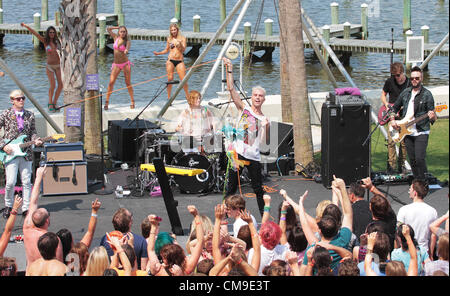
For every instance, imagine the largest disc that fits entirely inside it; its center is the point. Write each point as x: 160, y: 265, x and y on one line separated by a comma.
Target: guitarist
x: 17, y: 121
x: 416, y: 101
x: 392, y: 88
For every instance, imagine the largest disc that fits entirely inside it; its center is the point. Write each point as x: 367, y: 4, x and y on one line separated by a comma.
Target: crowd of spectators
x: 349, y: 236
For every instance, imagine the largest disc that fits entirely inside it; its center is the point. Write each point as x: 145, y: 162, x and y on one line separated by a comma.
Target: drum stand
x: 139, y: 187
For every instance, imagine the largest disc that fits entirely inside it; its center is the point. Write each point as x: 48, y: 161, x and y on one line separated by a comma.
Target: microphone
x: 172, y: 82
x: 213, y: 105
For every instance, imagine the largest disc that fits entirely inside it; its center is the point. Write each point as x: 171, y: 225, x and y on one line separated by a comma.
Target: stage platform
x: 73, y: 211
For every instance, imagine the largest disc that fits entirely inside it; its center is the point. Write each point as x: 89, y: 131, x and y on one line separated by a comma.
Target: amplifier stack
x: 66, y: 169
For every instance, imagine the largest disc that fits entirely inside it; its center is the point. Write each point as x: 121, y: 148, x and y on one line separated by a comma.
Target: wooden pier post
x: 196, y: 20
x: 119, y: 11
x: 102, y: 36
x: 1, y: 15
x: 44, y: 10
x: 57, y: 18
x: 326, y: 37
x: 347, y: 30
x: 408, y: 33
x: 178, y: 12
x: 268, y: 25
x: 406, y: 15
x: 223, y: 11
x: 365, y: 21
x: 37, y: 27
x: 247, y: 37
x: 425, y: 33
x: 334, y: 13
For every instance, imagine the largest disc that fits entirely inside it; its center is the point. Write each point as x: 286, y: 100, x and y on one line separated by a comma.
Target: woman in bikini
x: 176, y: 45
x: 121, y: 48
x: 52, y: 46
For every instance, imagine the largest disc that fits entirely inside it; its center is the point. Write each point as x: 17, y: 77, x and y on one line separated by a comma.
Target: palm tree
x: 75, y: 42
x: 286, y: 110
x: 298, y: 89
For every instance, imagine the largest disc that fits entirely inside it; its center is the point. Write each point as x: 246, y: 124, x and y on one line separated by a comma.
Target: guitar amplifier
x: 64, y: 152
x: 65, y: 178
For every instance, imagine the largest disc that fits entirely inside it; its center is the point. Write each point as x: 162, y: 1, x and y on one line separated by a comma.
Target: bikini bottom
x: 175, y: 62
x: 121, y: 66
x: 53, y: 68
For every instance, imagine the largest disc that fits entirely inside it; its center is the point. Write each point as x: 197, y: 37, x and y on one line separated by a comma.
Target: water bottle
x: 119, y: 191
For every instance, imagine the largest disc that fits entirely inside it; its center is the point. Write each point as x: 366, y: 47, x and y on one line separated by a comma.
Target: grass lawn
x: 437, y: 151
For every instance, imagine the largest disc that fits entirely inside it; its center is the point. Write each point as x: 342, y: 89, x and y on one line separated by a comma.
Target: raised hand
x: 371, y: 240
x: 245, y: 215
x: 267, y: 199
x: 96, y: 205
x: 302, y: 198
x: 291, y: 257
x: 338, y: 182
x: 405, y: 231
x: 192, y: 210
x: 153, y: 220
x: 219, y: 211
x: 176, y: 270
x: 17, y: 202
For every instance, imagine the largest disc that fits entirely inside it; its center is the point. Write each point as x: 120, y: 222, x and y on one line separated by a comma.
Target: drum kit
x: 185, y: 152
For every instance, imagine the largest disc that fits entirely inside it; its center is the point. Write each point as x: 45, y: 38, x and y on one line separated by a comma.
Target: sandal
x: 106, y: 106
x: 56, y: 109
x: 132, y: 106
x: 51, y: 107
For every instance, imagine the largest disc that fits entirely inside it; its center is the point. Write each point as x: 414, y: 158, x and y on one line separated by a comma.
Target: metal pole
x: 339, y: 65
x: 200, y: 57
x: 225, y: 47
x: 434, y: 52
x: 319, y: 54
x: 30, y: 96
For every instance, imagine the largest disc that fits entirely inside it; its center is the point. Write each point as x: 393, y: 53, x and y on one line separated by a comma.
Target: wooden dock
x: 260, y: 42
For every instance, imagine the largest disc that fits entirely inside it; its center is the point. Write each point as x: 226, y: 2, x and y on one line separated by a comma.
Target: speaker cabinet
x: 281, y: 139
x: 65, y: 178
x: 344, y: 130
x: 122, y: 135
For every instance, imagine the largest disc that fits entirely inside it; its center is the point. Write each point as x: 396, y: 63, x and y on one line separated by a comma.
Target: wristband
x: 13, y: 212
x: 372, y: 188
x: 283, y: 218
x: 224, y: 222
x: 94, y: 215
x: 283, y: 212
x: 266, y: 208
x: 240, y: 261
x: 311, y: 264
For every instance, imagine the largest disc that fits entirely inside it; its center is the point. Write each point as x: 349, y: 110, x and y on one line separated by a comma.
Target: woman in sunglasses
x: 52, y: 47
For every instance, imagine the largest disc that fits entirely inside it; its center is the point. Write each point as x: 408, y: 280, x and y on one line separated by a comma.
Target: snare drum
x: 196, y: 184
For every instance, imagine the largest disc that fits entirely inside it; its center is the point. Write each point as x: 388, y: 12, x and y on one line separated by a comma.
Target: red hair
x: 270, y: 234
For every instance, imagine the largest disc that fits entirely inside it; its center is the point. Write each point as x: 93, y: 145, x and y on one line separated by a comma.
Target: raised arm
x: 284, y: 207
x: 166, y: 50
x: 230, y: 85
x: 256, y: 259
x: 368, y: 259
x: 197, y: 250
x: 309, y: 234
x: 34, y: 198
x: 347, y: 211
x: 119, y: 253
x: 434, y: 226
x: 367, y: 183
x: 413, y: 269
x: 4, y: 240
x: 342, y: 252
x: 219, y: 213
x: 111, y: 33
x: 266, y: 214
x: 38, y: 36
x: 89, y: 235
x: 153, y: 264
x: 292, y: 260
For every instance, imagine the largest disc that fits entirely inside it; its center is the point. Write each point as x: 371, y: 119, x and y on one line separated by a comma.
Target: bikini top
x: 120, y: 48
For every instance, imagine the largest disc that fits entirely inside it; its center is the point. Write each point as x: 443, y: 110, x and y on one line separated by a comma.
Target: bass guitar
x: 404, y: 129
x: 17, y: 145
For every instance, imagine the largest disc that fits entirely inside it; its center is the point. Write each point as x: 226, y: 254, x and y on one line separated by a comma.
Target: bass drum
x: 195, y: 184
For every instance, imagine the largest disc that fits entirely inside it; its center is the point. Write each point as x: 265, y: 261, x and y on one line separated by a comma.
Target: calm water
x: 367, y: 70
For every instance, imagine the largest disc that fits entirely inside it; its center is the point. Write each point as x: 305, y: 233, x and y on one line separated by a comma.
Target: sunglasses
x: 415, y: 78
x: 19, y: 98
x: 396, y: 75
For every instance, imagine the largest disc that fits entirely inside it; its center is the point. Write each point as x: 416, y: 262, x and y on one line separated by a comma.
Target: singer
x: 195, y: 121
x: 255, y: 128
x: 176, y: 45
x: 393, y: 86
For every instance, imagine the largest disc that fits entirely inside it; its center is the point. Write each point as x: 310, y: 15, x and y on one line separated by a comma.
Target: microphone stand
x: 138, y: 191
x: 104, y: 190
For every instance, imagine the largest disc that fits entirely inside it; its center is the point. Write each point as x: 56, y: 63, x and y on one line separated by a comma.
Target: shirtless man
x: 48, y: 265
x: 36, y: 223
x: 176, y: 45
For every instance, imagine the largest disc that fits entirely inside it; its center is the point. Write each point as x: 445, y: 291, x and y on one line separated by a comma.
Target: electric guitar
x: 405, y: 125
x: 17, y: 145
x: 383, y: 114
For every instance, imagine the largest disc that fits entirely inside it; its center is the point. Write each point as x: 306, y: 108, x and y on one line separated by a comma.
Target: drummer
x: 194, y: 123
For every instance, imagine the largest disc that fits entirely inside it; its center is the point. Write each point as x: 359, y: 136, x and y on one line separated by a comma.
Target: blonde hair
x: 321, y: 207
x: 16, y: 93
x: 193, y: 95
x: 98, y: 262
x: 178, y: 31
x: 207, y: 225
x: 442, y: 248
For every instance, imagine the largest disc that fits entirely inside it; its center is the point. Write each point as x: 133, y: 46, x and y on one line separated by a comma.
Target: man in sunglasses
x: 17, y: 121
x: 416, y: 101
x: 392, y: 88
